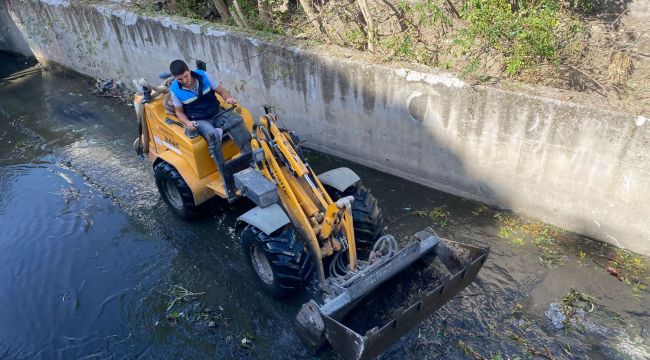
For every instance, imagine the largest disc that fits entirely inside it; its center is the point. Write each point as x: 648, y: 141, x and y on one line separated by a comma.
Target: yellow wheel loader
x: 305, y: 228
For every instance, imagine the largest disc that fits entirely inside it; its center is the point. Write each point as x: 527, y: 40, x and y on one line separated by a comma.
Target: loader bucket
x: 336, y: 320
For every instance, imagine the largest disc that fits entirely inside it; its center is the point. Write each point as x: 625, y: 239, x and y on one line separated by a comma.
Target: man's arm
x: 216, y: 86
x: 225, y: 95
x: 180, y: 114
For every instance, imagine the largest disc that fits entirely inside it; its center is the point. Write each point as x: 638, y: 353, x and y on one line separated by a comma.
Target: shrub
x: 528, y: 33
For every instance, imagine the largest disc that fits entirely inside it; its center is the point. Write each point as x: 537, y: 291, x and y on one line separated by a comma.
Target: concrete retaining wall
x: 11, y: 39
x: 578, y: 167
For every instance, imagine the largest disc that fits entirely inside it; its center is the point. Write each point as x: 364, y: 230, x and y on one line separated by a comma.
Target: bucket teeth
x: 326, y: 323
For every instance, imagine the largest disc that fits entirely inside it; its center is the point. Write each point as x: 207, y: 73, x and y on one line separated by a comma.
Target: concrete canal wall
x: 578, y: 167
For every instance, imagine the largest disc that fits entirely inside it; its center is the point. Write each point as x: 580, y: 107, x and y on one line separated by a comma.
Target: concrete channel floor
x: 92, y: 261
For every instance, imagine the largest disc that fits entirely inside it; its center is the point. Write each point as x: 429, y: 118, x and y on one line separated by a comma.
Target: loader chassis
x: 303, y: 225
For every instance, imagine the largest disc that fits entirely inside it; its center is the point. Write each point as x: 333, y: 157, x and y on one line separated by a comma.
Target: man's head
x: 181, y: 72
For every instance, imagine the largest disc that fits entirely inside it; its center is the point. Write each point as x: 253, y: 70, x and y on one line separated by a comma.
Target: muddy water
x: 91, y: 260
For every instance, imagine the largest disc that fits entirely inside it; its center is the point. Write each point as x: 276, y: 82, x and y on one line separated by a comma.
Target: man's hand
x: 191, y: 125
x: 225, y: 95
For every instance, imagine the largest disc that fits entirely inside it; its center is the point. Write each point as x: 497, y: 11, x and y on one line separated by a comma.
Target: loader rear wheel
x: 174, y: 191
x: 367, y: 217
x: 280, y: 261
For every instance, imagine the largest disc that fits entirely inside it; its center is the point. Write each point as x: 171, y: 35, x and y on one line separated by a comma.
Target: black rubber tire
x: 367, y: 216
x: 167, y: 177
x: 287, y: 255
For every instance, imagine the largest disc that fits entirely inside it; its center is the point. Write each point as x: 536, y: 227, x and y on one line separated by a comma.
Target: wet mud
x: 92, y: 263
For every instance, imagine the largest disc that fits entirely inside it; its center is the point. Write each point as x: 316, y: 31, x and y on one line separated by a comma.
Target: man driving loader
x: 196, y: 106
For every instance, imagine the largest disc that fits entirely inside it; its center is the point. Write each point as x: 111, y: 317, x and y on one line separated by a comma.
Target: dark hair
x: 178, y: 67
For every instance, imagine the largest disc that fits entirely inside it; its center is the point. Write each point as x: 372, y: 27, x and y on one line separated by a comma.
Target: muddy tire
x: 280, y: 261
x: 367, y: 217
x: 175, y: 192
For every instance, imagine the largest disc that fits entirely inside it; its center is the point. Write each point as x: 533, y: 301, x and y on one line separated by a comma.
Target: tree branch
x: 367, y: 16
x: 222, y: 9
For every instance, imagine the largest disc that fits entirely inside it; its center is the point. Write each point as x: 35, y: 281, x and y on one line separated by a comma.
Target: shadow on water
x: 98, y: 259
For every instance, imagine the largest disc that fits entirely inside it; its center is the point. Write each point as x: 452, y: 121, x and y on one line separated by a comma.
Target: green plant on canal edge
x: 633, y: 269
x: 526, y: 33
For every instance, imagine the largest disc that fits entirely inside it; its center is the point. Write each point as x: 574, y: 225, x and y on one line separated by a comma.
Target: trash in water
x: 570, y: 310
x: 615, y: 273
x: 556, y: 316
x: 247, y: 341
x: 112, y: 88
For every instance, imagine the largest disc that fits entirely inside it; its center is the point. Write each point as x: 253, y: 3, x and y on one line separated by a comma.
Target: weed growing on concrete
x: 146, y: 8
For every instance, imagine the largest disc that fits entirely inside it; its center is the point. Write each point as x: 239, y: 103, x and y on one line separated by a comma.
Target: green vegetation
x: 439, y: 215
x: 189, y: 8
x: 585, y: 6
x: 557, y: 43
x: 582, y: 256
x: 526, y: 34
x: 544, y: 237
x: 574, y: 301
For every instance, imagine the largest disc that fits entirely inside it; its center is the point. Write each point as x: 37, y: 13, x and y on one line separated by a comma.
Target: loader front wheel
x: 367, y: 217
x: 280, y: 261
x: 174, y: 191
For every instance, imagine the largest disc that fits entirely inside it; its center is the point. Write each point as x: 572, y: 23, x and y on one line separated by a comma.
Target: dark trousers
x: 230, y: 123
x: 212, y: 131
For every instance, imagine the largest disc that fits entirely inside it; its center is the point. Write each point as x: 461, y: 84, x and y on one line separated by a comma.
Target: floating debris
x: 439, y: 215
x: 468, y: 350
x: 556, y: 316
x: 629, y: 268
x: 181, y: 294
x: 615, y: 273
x: 521, y: 232
x: 247, y: 342
x: 173, y: 318
x: 69, y: 194
x: 114, y: 89
x: 570, y: 310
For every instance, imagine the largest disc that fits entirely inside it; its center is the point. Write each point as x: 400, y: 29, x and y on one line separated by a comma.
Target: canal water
x: 94, y: 266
